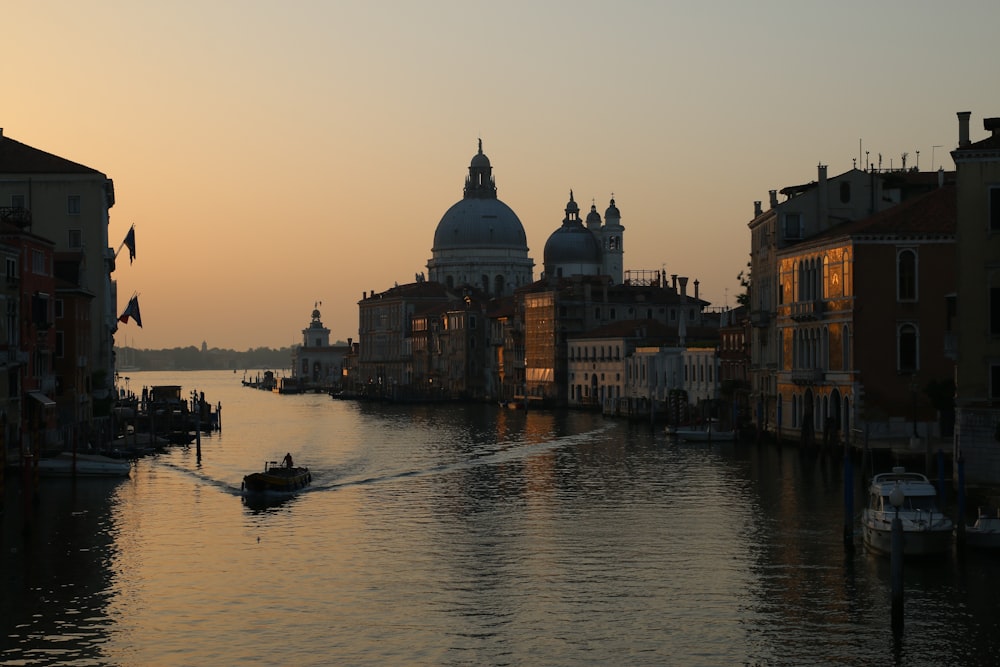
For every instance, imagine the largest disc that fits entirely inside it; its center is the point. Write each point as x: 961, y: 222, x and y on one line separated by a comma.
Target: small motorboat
x: 985, y: 532
x: 707, y: 432
x: 927, y: 531
x: 277, y: 478
x: 68, y: 464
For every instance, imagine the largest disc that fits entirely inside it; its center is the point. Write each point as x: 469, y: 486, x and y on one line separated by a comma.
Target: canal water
x: 466, y: 535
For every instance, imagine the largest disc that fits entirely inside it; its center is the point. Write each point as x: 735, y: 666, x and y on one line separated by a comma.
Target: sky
x: 276, y: 155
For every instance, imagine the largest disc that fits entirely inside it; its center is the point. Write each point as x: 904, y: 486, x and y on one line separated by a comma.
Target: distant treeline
x: 204, y: 359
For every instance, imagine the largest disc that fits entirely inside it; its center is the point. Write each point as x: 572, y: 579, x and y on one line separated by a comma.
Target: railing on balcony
x: 806, y: 310
x: 807, y: 375
x: 16, y: 215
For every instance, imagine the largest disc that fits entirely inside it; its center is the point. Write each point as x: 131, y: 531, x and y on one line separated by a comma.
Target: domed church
x: 588, y: 251
x: 480, y: 241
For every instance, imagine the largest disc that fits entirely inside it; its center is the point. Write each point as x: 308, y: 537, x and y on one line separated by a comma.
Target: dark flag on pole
x: 130, y: 242
x: 132, y: 310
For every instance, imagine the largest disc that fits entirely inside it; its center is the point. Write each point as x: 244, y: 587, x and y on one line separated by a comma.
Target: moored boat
x: 277, y: 478
x: 985, y: 532
x: 709, y: 431
x: 68, y: 464
x: 927, y: 531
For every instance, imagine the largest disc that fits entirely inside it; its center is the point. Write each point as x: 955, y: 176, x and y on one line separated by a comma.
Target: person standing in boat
x: 288, y: 460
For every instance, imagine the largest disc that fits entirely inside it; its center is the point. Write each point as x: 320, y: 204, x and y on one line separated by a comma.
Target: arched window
x: 906, y: 275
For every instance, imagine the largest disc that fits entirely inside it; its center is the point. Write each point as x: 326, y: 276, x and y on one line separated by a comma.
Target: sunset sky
x: 272, y: 155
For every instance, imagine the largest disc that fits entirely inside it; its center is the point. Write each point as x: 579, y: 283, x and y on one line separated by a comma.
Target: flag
x: 132, y: 310
x: 130, y: 242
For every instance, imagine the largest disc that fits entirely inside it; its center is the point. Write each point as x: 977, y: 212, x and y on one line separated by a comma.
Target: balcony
x: 807, y: 376
x: 805, y: 311
x: 16, y: 215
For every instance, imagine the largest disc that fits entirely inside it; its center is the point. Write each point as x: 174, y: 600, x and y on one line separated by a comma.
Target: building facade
x: 861, y: 322
x: 977, y: 368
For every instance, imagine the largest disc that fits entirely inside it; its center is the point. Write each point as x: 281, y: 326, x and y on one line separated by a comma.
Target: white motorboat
x: 927, y: 531
x: 707, y: 432
x: 985, y: 532
x: 68, y: 464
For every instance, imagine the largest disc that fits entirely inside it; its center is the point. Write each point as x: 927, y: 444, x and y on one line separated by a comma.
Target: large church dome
x: 480, y: 241
x: 476, y: 223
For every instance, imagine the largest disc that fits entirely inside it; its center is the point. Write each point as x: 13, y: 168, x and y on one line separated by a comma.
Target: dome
x: 480, y: 223
x: 612, y: 211
x: 571, y: 244
x: 480, y: 159
x: 593, y: 218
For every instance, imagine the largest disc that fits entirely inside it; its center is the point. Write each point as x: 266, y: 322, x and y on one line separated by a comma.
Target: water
x: 466, y: 535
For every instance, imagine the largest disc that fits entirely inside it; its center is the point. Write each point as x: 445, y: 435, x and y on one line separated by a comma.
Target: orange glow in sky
x: 272, y: 155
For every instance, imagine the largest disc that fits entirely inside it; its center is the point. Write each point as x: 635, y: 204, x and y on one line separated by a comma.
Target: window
x: 17, y: 201
x: 75, y: 238
x: 793, y: 226
x: 73, y: 204
x: 845, y: 192
x: 59, y: 308
x: 994, y: 381
x: 906, y: 275
x: 60, y: 345
x: 995, y: 209
x: 38, y: 262
x: 906, y: 344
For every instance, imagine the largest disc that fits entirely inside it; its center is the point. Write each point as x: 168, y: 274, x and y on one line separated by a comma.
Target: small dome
x: 612, y: 211
x: 571, y: 204
x: 480, y: 160
x: 593, y: 218
x: 315, y: 314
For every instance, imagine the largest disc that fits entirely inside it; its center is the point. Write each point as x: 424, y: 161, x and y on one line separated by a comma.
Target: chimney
x: 696, y: 288
x: 684, y: 285
x: 774, y: 197
x: 757, y: 210
x: 823, y: 195
x: 673, y: 281
x: 991, y: 125
x: 963, y: 128
x: 940, y: 177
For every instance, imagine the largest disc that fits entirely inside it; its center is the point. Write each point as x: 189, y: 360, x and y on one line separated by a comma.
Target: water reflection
x: 471, y: 535
x: 56, y: 556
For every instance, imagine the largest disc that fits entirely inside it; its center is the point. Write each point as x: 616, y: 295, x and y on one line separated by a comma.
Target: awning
x: 42, y: 398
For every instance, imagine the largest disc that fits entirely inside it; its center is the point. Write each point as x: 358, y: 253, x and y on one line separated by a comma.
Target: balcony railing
x: 807, y: 375
x: 806, y: 310
x: 16, y: 215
